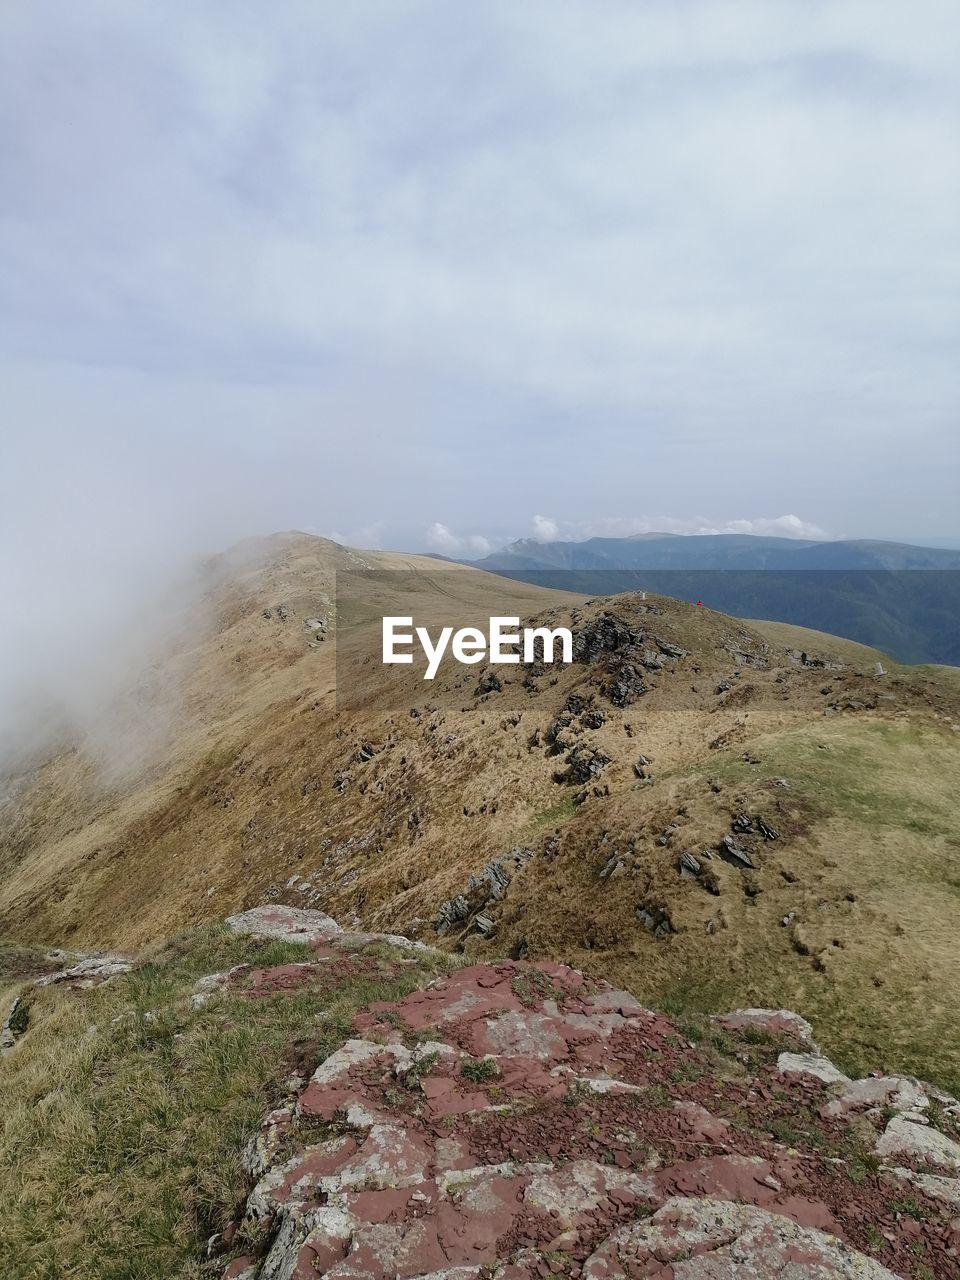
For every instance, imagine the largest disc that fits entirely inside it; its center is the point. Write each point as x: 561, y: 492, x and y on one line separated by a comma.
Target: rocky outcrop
x: 607, y: 633
x: 584, y: 764
x: 296, y: 924
x: 483, y: 890
x: 87, y: 970
x: 515, y: 1121
x: 812, y: 1065
x: 14, y: 1025
x: 76, y: 970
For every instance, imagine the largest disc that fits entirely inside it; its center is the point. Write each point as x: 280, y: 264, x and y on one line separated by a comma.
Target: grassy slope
x: 91, y: 854
x: 870, y: 869
x: 125, y: 1109
x: 881, y: 974
x: 804, y: 638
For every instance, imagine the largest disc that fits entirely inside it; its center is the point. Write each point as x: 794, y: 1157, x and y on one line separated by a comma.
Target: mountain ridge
x: 726, y: 550
x: 892, y: 596
x: 470, y: 811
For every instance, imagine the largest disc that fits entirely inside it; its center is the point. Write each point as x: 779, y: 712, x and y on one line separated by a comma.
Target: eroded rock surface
x: 713, y: 1239
x: 514, y: 1122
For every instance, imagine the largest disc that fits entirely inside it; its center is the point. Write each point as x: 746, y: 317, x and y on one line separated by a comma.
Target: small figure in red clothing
x: 699, y: 604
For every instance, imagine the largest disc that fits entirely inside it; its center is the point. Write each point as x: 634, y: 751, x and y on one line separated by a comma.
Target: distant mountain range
x: 716, y: 551
x: 899, y: 598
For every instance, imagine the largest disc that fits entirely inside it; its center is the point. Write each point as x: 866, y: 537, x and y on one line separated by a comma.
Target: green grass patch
x: 125, y: 1109
x: 479, y: 1070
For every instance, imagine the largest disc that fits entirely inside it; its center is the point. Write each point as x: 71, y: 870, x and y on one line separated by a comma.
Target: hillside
x: 275, y: 1098
x: 893, y: 596
x: 735, y: 821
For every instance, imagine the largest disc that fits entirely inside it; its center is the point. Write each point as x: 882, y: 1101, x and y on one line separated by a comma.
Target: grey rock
x: 690, y: 865
x: 493, y: 880
x: 773, y: 1021
x: 606, y: 634
x: 612, y: 867
x: 671, y: 650
x: 946, y: 1190
x: 14, y: 1024
x: 584, y: 763
x: 288, y: 924
x: 735, y: 854
x: 654, y: 919
x: 89, y: 971
x: 626, y: 685
x: 490, y: 682
x: 899, y: 1093
x: 702, y: 1238
x: 452, y: 912
x: 905, y: 1137
x: 486, y: 925
x: 810, y: 1064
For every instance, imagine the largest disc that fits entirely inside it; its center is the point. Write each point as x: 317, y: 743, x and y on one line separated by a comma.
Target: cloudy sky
x: 433, y: 275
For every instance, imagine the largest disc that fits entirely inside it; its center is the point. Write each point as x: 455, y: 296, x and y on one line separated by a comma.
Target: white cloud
x: 788, y: 526
x: 441, y: 538
x: 545, y: 529
x: 776, y: 526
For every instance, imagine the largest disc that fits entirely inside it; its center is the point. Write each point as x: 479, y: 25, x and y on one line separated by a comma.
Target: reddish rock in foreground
x: 518, y: 1121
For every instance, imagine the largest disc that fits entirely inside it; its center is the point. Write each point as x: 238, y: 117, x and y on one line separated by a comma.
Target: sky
x: 431, y: 275
x: 437, y: 275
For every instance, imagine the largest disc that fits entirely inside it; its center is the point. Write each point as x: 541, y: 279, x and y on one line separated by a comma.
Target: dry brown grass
x: 247, y: 800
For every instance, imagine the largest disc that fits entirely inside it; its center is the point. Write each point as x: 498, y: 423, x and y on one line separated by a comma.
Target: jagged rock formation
x: 516, y: 1121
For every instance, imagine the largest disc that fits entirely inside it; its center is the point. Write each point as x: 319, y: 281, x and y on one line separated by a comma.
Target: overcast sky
x: 439, y: 274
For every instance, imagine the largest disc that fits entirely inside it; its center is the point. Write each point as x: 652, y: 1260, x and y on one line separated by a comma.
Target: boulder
x: 897, y: 1092
x: 811, y: 1064
x: 286, y: 924
x: 907, y: 1138
x: 734, y: 853
x: 775, y: 1022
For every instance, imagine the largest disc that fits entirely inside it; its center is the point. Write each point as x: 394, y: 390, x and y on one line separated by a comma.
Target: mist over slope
x: 737, y: 817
